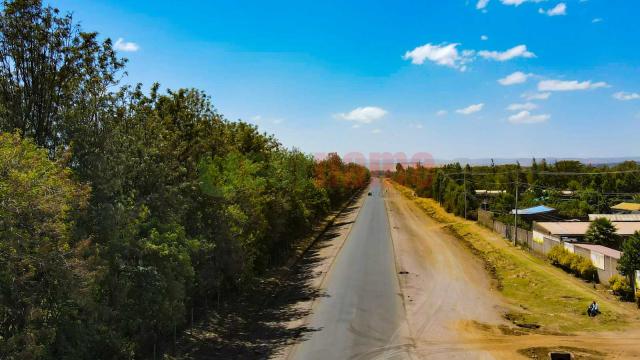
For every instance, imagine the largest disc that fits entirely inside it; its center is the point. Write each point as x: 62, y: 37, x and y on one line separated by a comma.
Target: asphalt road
x: 362, y: 315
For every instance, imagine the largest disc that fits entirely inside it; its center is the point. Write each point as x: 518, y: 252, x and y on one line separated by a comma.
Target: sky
x: 454, y: 78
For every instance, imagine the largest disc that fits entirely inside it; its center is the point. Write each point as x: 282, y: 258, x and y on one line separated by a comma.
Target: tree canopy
x: 630, y: 260
x: 602, y: 232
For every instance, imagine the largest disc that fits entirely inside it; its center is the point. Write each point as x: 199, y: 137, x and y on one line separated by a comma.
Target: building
x: 603, y: 258
x: 536, y: 213
x: 626, y: 208
x: 615, y: 217
x: 575, y: 231
x: 571, y: 234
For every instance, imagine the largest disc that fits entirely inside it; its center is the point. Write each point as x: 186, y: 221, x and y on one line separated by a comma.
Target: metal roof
x: 615, y: 217
x: 490, y: 192
x: 579, y: 228
x: 627, y: 206
x: 540, y: 209
x: 601, y: 249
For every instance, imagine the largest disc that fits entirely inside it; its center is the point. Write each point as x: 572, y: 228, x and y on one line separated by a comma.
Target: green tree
x: 39, y: 271
x: 602, y: 232
x: 630, y: 260
x: 53, y: 75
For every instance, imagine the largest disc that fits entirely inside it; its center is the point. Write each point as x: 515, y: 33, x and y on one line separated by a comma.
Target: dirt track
x: 444, y: 285
x: 452, y: 311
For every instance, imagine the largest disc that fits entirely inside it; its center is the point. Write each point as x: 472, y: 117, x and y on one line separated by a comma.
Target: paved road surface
x: 362, y: 316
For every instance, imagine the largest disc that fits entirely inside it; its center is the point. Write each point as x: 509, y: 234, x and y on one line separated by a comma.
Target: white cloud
x: 519, y: 2
x: 558, y: 10
x: 482, y: 4
x: 625, y: 96
x: 561, y: 85
x: 536, y: 96
x: 596, y: 20
x: 355, y: 126
x: 441, y: 113
x: 444, y: 55
x: 525, y: 106
x: 470, y: 109
x: 517, y: 77
x: 484, y: 37
x: 513, y: 2
x: 376, y: 131
x: 525, y: 117
x: 364, y: 115
x: 514, y: 52
x: 125, y: 46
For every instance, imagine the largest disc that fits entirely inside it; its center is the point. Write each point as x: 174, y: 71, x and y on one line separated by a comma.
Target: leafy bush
x: 555, y: 255
x: 585, y: 269
x: 572, y: 263
x: 620, y: 286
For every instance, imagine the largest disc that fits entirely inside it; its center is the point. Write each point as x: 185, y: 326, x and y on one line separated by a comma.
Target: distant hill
x: 390, y: 164
x: 527, y: 161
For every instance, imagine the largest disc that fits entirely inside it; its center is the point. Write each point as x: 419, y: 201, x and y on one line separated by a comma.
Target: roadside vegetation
x: 542, y: 297
x: 573, y: 263
x: 125, y: 214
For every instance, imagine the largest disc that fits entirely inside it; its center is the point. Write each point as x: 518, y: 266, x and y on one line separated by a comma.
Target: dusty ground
x: 443, y: 285
x: 453, y: 311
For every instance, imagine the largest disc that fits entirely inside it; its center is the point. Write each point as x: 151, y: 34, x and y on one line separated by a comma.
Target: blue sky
x: 410, y: 76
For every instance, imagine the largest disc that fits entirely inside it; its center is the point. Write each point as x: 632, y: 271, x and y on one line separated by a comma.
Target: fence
x: 542, y: 244
x: 524, y: 238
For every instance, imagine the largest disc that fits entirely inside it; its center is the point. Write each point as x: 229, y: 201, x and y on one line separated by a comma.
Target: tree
x: 630, y: 260
x: 180, y: 203
x: 53, y: 76
x: 602, y: 232
x: 39, y: 271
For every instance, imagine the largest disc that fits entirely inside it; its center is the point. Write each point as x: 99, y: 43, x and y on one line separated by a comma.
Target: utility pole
x: 464, y: 182
x: 515, y: 215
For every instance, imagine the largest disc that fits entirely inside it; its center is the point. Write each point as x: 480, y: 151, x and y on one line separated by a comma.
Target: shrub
x: 586, y: 269
x: 572, y: 263
x: 555, y: 254
x: 620, y: 286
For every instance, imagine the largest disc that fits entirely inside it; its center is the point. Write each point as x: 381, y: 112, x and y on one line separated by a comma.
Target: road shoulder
x: 444, y: 287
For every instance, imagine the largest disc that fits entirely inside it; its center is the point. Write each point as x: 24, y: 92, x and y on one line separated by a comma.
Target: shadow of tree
x: 254, y: 324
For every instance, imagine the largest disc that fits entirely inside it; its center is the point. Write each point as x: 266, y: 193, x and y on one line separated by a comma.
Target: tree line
x: 574, y: 189
x: 122, y: 211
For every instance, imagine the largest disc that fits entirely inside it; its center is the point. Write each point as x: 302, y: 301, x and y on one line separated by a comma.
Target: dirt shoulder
x: 442, y: 283
x: 545, y: 306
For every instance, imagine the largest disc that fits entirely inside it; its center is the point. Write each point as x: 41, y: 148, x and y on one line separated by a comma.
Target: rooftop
x: 540, y: 209
x: 627, y: 206
x: 579, y: 228
x: 601, y: 249
x: 615, y: 217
